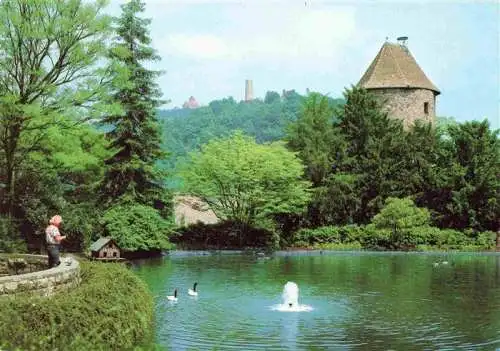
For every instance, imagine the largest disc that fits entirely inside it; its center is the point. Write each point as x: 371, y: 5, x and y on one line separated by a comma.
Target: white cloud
x: 197, y: 46
x: 271, y: 33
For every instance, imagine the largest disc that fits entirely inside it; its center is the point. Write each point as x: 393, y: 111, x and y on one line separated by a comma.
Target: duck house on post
x: 105, y: 249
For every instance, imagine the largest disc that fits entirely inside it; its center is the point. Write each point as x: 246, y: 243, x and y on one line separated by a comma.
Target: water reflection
x: 361, y: 301
x: 289, y: 331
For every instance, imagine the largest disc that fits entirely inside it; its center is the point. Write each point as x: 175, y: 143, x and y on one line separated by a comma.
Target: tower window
x: 426, y: 108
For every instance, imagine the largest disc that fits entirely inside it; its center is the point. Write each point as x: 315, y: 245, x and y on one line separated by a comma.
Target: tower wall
x: 408, y: 104
x: 248, y: 90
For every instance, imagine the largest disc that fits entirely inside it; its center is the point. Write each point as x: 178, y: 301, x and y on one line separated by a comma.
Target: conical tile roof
x: 395, y: 67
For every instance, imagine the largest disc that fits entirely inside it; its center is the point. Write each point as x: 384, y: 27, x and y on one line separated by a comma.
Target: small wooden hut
x: 105, y: 249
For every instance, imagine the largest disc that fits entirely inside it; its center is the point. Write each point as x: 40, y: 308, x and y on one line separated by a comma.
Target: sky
x: 209, y: 48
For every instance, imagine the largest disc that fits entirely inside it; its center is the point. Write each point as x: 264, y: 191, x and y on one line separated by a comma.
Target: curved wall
x: 44, y: 282
x: 408, y: 104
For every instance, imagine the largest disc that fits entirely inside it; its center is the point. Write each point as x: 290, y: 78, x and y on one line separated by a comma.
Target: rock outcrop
x: 191, y: 210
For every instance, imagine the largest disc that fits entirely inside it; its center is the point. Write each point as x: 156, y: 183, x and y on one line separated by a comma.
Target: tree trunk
x: 498, y: 240
x: 10, y: 146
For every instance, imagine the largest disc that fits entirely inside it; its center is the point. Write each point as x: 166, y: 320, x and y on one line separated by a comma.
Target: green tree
x: 313, y: 136
x: 133, y: 182
x: 246, y: 182
x: 321, y: 147
x: 470, y: 165
x: 271, y: 97
x: 186, y: 130
x: 400, y: 216
x: 49, y: 66
x: 134, y: 137
x: 62, y: 176
x: 418, y: 160
x: 376, y: 149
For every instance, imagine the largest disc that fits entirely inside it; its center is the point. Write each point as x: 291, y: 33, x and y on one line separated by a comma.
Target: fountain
x: 290, y: 298
x: 291, y: 294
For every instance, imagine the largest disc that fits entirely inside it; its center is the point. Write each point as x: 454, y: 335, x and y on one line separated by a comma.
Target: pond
x: 348, y: 301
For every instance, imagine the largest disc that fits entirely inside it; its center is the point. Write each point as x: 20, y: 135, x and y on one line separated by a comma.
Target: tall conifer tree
x: 135, y: 133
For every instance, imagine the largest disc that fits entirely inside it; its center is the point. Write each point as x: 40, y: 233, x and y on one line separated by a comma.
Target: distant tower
x: 248, y: 90
x: 397, y: 79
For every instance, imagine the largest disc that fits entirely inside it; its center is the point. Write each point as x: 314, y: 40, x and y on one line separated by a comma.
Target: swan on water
x: 193, y: 291
x: 172, y: 297
x: 436, y: 264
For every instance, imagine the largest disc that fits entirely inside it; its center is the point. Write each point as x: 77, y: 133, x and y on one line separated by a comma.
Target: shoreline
x: 308, y: 251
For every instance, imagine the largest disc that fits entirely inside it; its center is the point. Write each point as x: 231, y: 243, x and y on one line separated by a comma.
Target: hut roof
x: 100, y: 243
x: 395, y: 67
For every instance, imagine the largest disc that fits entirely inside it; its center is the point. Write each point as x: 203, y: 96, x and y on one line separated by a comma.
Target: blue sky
x: 209, y: 48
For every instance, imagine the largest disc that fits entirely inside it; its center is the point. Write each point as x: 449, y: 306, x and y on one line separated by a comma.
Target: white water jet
x: 291, y: 294
x: 290, y: 298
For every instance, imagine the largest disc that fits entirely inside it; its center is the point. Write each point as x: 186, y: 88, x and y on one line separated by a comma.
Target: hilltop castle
x: 395, y: 77
x: 191, y: 103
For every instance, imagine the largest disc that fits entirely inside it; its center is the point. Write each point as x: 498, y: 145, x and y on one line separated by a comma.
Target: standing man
x: 53, y: 239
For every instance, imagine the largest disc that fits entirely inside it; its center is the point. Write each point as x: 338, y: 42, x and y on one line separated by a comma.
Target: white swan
x: 193, y: 291
x: 174, y: 297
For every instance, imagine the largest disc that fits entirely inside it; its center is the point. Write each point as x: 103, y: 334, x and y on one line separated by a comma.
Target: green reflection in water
x: 360, y: 301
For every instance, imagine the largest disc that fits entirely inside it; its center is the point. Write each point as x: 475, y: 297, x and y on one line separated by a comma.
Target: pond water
x: 347, y: 301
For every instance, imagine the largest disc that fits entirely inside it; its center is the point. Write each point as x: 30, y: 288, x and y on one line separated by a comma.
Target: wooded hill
x: 185, y: 130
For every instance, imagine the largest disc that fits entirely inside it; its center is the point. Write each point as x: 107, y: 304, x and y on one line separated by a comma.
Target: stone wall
x: 408, y: 104
x: 45, y: 282
x: 11, y: 264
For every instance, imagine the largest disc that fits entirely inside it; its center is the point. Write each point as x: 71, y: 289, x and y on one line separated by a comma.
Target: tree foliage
x: 186, y: 130
x: 398, y: 214
x: 312, y: 136
x: 62, y: 177
x: 470, y: 165
x: 48, y: 68
x: 452, y: 169
x: 246, y: 182
x: 132, y: 189
x: 58, y: 69
x: 136, y: 227
x: 135, y: 135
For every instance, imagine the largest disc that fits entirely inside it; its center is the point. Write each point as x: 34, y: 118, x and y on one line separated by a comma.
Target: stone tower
x: 397, y: 79
x: 248, y: 90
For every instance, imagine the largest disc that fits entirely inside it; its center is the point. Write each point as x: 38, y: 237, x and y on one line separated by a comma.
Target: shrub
x: 112, y: 309
x: 351, y: 233
x: 375, y: 238
x: 433, y: 234
x: 340, y: 246
x: 487, y: 240
x: 451, y: 238
x: 423, y: 237
x: 401, y: 217
x: 418, y: 236
x: 318, y: 235
x: 399, y: 214
x: 137, y: 227
x: 223, y: 235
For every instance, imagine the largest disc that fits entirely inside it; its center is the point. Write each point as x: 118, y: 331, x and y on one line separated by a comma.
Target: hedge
x: 112, y: 309
x: 370, y: 237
